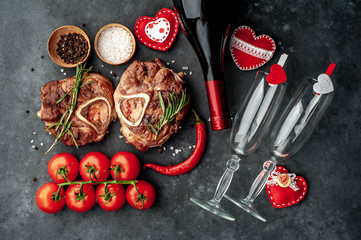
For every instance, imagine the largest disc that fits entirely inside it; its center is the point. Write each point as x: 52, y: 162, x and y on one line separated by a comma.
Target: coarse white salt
x: 31, y: 141
x: 120, y: 136
x: 168, y: 63
x: 190, y: 147
x: 171, y: 148
x: 185, y: 68
x: 41, y: 144
x: 173, y: 154
x: 33, y: 146
x: 64, y: 73
x: 34, y: 133
x: 115, y: 45
x: 61, y: 70
x: 102, y: 65
x: 190, y: 73
x: 185, y: 74
x: 164, y: 148
x: 173, y: 61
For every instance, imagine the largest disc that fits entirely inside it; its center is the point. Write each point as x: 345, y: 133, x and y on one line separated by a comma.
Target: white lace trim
x: 250, y: 49
x: 274, y: 180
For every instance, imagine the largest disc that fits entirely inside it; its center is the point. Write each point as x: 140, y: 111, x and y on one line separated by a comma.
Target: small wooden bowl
x: 54, y: 38
x: 115, y: 25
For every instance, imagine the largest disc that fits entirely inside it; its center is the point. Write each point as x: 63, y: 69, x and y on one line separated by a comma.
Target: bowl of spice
x: 114, y: 44
x: 68, y: 45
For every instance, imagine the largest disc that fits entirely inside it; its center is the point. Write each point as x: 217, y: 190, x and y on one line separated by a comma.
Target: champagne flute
x: 250, y: 124
x: 292, y: 131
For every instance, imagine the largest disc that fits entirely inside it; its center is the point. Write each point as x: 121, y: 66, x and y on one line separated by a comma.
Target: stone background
x: 314, y: 33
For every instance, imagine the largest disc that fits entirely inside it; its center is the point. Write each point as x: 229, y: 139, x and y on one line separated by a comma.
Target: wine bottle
x: 206, y: 26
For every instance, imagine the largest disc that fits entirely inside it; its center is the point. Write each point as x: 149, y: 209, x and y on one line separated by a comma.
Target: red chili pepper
x: 192, y: 161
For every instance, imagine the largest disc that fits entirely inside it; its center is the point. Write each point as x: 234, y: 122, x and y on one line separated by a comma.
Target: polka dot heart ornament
x: 285, y: 189
x: 159, y: 32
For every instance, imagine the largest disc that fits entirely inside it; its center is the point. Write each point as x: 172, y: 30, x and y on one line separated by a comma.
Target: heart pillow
x: 159, y: 32
x: 248, y: 51
x: 284, y: 189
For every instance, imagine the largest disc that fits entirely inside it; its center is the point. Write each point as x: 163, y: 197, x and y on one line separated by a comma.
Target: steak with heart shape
x: 137, y: 102
x: 94, y: 110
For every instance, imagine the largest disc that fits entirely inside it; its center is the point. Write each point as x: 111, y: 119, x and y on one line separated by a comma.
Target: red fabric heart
x: 284, y: 197
x: 159, y: 32
x: 277, y: 75
x: 248, y: 51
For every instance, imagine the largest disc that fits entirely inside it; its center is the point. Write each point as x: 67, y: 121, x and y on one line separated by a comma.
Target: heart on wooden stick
x: 284, y: 189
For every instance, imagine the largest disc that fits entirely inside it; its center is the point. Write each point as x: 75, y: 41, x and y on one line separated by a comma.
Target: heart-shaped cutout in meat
x: 95, y: 112
x: 131, y: 108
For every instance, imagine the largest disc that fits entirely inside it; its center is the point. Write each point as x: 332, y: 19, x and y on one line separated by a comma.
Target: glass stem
x: 258, y: 184
x: 226, y: 179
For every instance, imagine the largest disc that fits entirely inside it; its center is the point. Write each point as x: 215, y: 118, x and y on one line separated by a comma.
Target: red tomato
x: 63, y: 162
x: 44, y: 198
x: 125, y: 166
x: 80, y: 202
x: 94, y: 163
x: 113, y: 199
x: 147, y: 195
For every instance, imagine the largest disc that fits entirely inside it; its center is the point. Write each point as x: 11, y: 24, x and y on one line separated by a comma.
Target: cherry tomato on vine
x: 63, y: 163
x: 80, y: 199
x: 125, y: 166
x: 144, y: 199
x: 46, y: 199
x: 112, y: 198
x: 96, y: 165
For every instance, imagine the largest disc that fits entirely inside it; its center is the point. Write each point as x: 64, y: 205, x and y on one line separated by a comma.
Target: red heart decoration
x: 277, y: 75
x: 159, y: 32
x: 248, y: 51
x: 284, y: 197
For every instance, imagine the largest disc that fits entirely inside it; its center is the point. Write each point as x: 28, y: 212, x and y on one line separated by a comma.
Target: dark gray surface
x: 313, y: 33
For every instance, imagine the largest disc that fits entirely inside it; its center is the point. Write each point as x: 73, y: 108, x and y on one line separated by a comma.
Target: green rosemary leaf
x: 174, y: 106
x: 81, y: 72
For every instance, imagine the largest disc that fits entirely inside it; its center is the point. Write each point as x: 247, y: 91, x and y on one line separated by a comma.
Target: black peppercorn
x: 84, y: 25
x: 27, y: 111
x: 34, y: 179
x: 72, y: 48
x: 32, y: 69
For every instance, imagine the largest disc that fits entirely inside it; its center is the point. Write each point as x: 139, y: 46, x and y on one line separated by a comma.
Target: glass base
x: 214, y: 207
x: 247, y: 205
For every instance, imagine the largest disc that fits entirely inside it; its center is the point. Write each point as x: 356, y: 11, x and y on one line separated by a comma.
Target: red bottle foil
x: 218, y: 108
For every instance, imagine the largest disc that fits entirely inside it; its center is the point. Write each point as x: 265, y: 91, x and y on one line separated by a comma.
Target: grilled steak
x: 137, y: 102
x: 94, y: 110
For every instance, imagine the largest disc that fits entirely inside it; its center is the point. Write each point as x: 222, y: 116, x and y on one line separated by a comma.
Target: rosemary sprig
x: 174, y: 106
x: 64, y: 122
